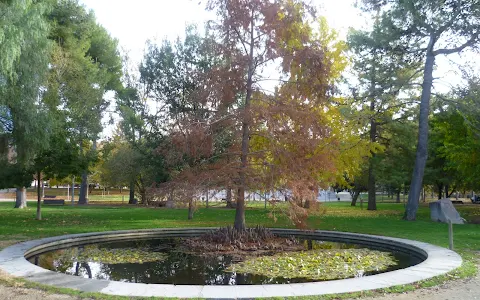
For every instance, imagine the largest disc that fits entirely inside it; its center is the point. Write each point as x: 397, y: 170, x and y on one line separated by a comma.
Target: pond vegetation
x: 96, y: 253
x: 319, y: 264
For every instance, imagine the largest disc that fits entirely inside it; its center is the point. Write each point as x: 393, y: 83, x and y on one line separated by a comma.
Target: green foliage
x: 381, y: 92
x: 23, y: 119
x: 394, y: 165
x: 20, y: 21
x: 121, y: 164
x: 454, y: 144
x: 40, y: 126
x: 14, y: 175
x: 85, y: 64
x: 63, y: 158
x: 317, y: 264
x: 171, y: 73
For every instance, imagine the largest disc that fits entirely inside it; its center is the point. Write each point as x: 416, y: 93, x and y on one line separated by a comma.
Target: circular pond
x: 434, y: 261
x: 160, y: 261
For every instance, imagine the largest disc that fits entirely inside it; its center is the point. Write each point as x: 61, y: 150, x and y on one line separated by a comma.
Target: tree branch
x: 468, y: 43
x: 244, y: 43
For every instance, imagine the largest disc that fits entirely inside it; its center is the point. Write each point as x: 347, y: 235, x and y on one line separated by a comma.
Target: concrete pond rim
x: 436, y: 261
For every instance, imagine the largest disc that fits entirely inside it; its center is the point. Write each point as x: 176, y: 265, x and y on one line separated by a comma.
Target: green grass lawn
x: 18, y: 225
x: 57, y: 220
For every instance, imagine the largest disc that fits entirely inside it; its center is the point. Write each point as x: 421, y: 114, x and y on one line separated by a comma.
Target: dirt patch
x: 12, y: 289
x: 452, y: 290
x: 17, y: 293
x: 6, y: 241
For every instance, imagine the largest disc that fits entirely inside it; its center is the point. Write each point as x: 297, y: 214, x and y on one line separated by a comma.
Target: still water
x: 174, y: 266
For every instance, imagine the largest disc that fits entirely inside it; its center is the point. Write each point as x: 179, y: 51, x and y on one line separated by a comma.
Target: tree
x: 84, y: 65
x: 382, y: 77
x: 283, y: 137
x: 123, y: 163
x: 14, y: 175
x: 463, y: 132
x: 23, y: 119
x: 429, y: 29
x: 171, y: 75
x: 133, y: 109
x: 252, y: 34
x: 394, y: 164
x: 21, y: 20
x: 225, y: 131
x: 63, y: 158
x: 454, y: 130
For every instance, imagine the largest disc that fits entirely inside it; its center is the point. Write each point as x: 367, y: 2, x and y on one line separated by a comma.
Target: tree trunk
x: 306, y: 204
x: 446, y: 191
x: 372, y: 201
x: 39, y: 197
x: 440, y: 190
x: 21, y: 198
x: 131, y: 199
x: 229, y: 198
x: 398, y: 196
x: 422, y: 144
x: 82, y: 198
x: 356, y: 193
x: 239, y: 223
x: 190, y: 208
x: 73, y: 190
x: 143, y: 197
x: 206, y: 203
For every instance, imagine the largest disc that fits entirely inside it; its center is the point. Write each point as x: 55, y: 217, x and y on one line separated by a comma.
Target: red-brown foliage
x: 255, y: 140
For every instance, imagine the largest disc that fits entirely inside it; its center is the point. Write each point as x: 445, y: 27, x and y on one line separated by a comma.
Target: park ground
x: 20, y: 225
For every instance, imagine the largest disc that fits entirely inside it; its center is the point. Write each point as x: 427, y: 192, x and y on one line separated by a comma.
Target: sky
x: 135, y: 22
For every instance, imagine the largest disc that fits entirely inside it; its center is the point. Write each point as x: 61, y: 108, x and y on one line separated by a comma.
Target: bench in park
x: 52, y: 200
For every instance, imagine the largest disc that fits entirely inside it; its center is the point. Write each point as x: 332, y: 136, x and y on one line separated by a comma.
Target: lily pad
x: 320, y: 264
